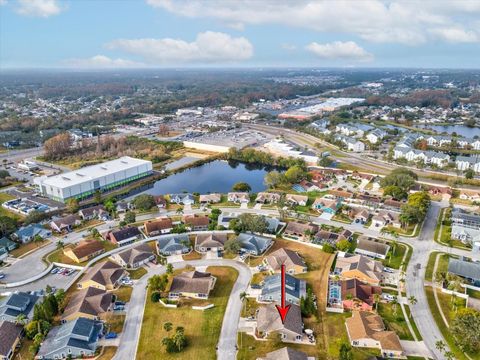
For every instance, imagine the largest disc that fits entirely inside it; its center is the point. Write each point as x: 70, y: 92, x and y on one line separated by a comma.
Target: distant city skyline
x: 111, y: 34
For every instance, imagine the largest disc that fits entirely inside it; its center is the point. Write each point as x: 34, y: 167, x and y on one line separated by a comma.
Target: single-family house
x: 295, y: 289
x: 160, y: 201
x: 269, y: 322
x: 192, y: 284
x: 16, y: 304
x: 465, y: 234
x: 93, y: 212
x: 103, y: 275
x: 66, y: 223
x: 286, y: 353
x: 340, y: 194
x: 238, y: 197
x: 253, y: 244
x: 91, y: 303
x: 359, y: 215
x: 77, y: 338
x: 376, y: 135
x: 134, y: 257
x: 196, y: 222
x: 124, y: 236
x: 84, y: 251
x: 158, y: 226
x: 465, y: 219
x: 470, y: 271
x: 386, y: 218
x: 357, y: 295
x: 7, y: 245
x: 267, y: 198
x: 328, y: 237
x: 294, y: 199
x: 371, y: 247
x: 27, y: 233
x: 366, y: 329
x: 294, y: 264
x: 300, y: 231
x: 210, y: 198
x: 184, y: 199
x: 326, y: 205
x: 10, y: 336
x: 173, y: 245
x: 359, y: 267
x: 210, y: 242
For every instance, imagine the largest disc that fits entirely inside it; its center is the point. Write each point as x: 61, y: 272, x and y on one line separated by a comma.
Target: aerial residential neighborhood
x: 239, y: 180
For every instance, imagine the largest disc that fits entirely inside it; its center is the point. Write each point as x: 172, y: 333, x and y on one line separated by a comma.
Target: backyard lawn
x: 395, y: 322
x: 202, y: 328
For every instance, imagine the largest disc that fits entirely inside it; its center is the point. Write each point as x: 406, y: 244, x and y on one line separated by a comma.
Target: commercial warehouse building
x: 84, y: 182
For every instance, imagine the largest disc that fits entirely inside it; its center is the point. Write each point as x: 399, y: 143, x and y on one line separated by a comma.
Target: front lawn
x: 202, y: 328
x: 394, y: 260
x: 114, y: 322
x: 137, y: 273
x: 108, y: 352
x: 123, y: 293
x: 25, y: 248
x: 395, y: 322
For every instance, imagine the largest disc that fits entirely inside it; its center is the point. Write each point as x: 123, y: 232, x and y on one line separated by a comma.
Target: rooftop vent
x: 66, y: 178
x: 80, y: 174
x: 124, y: 162
x: 103, y: 167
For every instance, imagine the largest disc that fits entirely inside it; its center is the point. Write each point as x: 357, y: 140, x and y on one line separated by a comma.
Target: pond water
x: 216, y: 176
x: 459, y: 129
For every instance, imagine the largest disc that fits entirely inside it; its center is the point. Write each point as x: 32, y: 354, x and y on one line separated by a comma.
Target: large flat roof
x: 93, y: 172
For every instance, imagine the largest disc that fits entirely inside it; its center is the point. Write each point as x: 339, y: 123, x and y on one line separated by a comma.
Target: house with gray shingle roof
x: 295, y: 289
x: 253, y: 244
x: 268, y: 322
x: 27, y: 233
x: 75, y: 338
x: 173, y: 245
x: 10, y: 336
x: 16, y: 304
x: 465, y: 269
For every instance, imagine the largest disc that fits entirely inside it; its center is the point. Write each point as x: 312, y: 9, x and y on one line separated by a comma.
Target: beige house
x: 267, y: 198
x: 359, y: 267
x: 238, y: 197
x: 84, y: 251
x: 210, y: 241
x: 210, y: 198
x: 294, y: 199
x: 134, y: 257
x: 104, y: 276
x: 192, y: 284
x: 89, y: 303
x: 294, y: 264
x: 299, y: 231
x: 366, y: 329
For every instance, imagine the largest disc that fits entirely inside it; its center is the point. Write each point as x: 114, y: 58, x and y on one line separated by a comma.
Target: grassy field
x: 4, y: 212
x: 459, y: 354
x: 395, y: 322
x: 31, y: 246
x: 123, y: 293
x: 202, y: 329
x: 442, y: 234
x: 412, y: 321
x: 24, y: 353
x: 395, y: 260
x: 137, y: 273
x: 114, y: 322
x: 430, y: 266
x: 108, y: 352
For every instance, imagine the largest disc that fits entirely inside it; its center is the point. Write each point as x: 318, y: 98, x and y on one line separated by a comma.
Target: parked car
x: 118, y: 308
x: 119, y: 303
x: 2, y: 275
x: 111, y: 335
x: 55, y: 270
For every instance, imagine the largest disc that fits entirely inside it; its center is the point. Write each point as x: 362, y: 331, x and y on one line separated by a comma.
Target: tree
x: 232, y: 246
x: 158, y: 282
x: 413, y: 301
x: 130, y: 217
x: 440, y: 345
x: 21, y: 319
x: 35, y: 217
x: 345, y: 352
x: 273, y: 179
x: 4, y: 174
x: 241, y: 187
x: 295, y: 174
x: 469, y: 174
x: 329, y: 249
x: 7, y: 225
x: 395, y: 305
x: 250, y: 223
x: 167, y: 326
x: 400, y: 177
x: 57, y: 147
x: 60, y: 244
x: 307, y: 304
x: 144, y: 202
x: 343, y: 245
x: 155, y: 297
x: 72, y: 205
x: 325, y: 161
x: 97, y: 196
x: 37, y: 239
x: 169, y: 269
x: 94, y: 232
x: 395, y: 191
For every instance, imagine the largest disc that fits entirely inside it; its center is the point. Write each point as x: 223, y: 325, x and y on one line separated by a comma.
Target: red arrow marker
x: 283, y: 310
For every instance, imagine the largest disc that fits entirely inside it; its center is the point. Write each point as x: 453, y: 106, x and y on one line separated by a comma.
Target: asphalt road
x: 130, y: 336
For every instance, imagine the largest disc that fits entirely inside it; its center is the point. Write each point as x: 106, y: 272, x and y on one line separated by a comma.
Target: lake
x: 216, y: 176
x: 462, y: 130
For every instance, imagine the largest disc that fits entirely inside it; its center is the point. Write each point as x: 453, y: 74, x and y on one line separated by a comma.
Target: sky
x: 102, y: 34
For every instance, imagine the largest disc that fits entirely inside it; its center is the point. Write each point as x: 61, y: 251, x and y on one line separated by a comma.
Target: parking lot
x: 57, y: 280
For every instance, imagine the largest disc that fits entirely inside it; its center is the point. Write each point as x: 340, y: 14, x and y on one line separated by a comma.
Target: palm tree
x: 243, y: 299
x: 376, y: 299
x: 395, y: 305
x: 449, y: 355
x: 167, y: 326
x: 21, y: 319
x: 412, y: 300
x: 440, y: 345
x: 179, y: 210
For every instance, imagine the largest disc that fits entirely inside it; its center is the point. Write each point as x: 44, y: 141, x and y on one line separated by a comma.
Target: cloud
x: 38, y: 8
x: 208, y: 47
x: 3, y: 2
x: 339, y: 50
x: 456, y: 35
x: 102, y: 62
x: 382, y: 21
